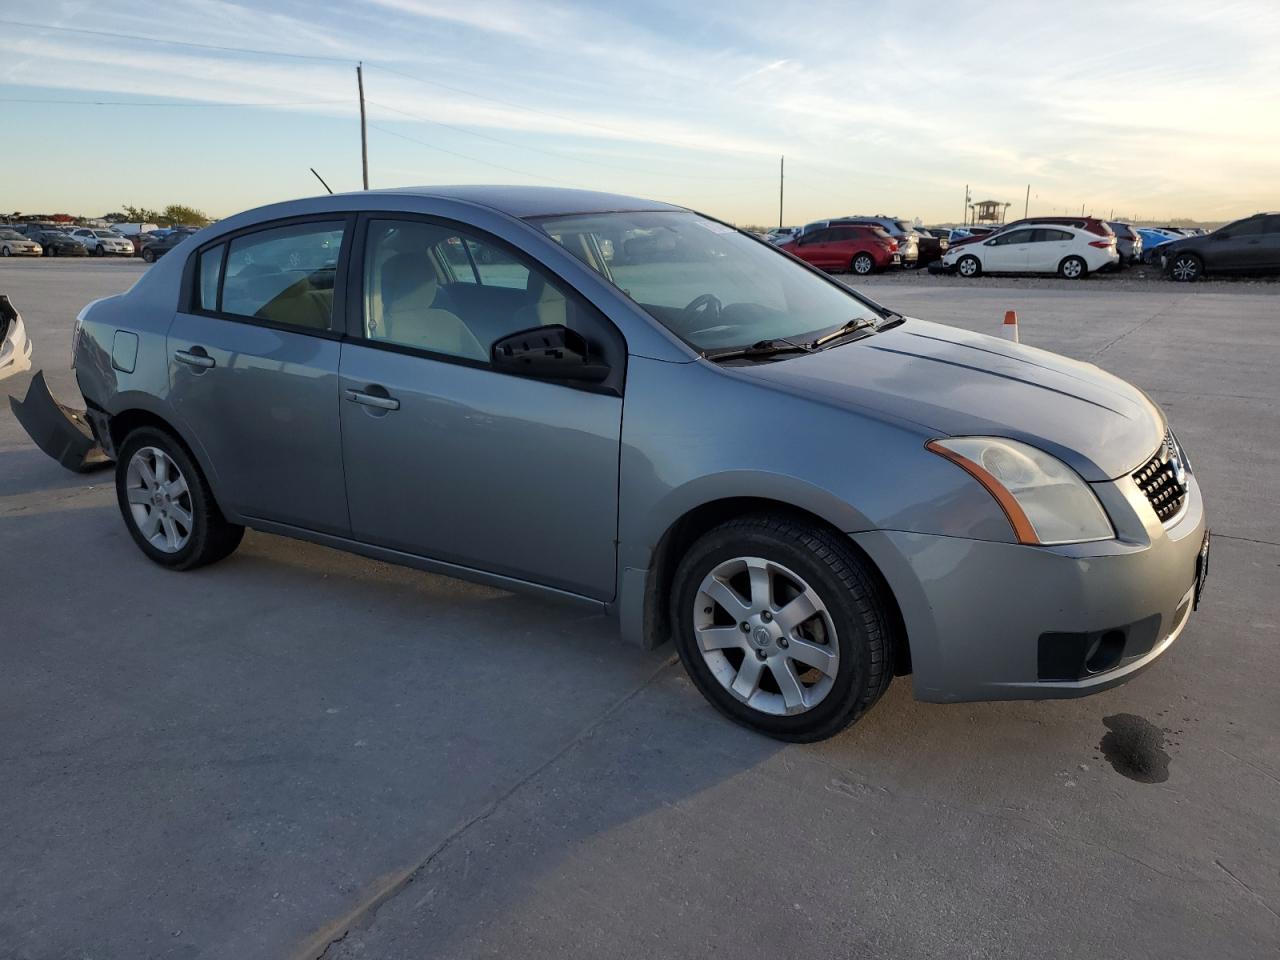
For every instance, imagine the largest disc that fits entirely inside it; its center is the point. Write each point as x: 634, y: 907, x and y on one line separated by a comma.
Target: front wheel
x: 782, y: 627
x: 98, y: 251
x: 167, y: 504
x: 1186, y: 267
x: 862, y: 264
x: 149, y: 256
x: 1073, y: 268
x: 968, y: 266
x: 4, y: 252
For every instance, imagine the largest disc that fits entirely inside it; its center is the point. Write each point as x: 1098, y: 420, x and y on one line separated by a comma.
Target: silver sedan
x: 631, y: 407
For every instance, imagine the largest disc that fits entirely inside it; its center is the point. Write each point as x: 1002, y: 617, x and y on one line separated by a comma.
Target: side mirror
x: 553, y: 352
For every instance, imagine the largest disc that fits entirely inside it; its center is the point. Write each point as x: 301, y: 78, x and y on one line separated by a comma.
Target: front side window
x: 1245, y: 228
x: 1017, y: 236
x: 709, y: 284
x: 438, y: 289
x: 284, y: 274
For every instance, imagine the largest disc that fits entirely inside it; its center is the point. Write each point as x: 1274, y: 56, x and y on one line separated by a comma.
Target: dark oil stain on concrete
x: 1135, y: 748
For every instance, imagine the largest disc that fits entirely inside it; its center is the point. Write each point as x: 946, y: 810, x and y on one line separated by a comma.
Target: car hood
x: 957, y: 383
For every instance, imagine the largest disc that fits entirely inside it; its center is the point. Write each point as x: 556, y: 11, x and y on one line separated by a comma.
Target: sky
x: 1137, y: 110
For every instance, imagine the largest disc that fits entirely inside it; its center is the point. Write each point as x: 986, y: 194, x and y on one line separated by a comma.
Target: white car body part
x: 15, y: 348
x: 1038, y: 248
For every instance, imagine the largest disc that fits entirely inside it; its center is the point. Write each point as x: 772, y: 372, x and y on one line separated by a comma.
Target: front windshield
x: 105, y: 234
x: 11, y: 235
x: 712, y: 286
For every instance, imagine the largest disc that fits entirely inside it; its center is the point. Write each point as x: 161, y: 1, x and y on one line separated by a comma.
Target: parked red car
x: 857, y: 249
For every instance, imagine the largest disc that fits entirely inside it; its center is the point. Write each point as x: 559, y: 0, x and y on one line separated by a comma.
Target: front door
x: 448, y: 459
x: 1008, y: 252
x: 253, y: 372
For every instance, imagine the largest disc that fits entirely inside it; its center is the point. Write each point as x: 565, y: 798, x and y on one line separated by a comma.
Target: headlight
x: 1045, y: 500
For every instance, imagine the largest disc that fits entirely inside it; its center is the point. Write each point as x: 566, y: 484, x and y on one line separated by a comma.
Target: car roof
x: 522, y: 202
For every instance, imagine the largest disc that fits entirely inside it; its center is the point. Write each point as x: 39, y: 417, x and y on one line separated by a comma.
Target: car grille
x: 1162, y: 480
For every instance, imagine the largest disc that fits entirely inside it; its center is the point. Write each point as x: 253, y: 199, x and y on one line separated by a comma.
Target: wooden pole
x: 364, y: 133
x: 782, y: 169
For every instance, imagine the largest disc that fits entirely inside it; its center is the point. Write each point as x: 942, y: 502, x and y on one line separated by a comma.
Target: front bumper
x: 998, y: 621
x: 938, y: 266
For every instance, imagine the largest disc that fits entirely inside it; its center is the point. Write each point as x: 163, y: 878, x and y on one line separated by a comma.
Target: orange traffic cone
x: 1010, y: 326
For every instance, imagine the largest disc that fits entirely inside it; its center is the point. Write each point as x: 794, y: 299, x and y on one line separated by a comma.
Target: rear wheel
x: 167, y: 504
x: 968, y: 266
x: 1186, y: 268
x: 1073, y: 268
x: 781, y: 627
x: 862, y: 264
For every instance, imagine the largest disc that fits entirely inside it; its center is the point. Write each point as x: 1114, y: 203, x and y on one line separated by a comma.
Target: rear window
x: 284, y: 274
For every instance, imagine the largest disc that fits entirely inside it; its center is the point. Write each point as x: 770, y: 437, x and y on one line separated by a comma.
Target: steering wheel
x: 706, y: 306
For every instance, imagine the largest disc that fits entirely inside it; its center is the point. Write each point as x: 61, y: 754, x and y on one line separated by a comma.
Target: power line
x: 550, y: 153
x: 464, y: 156
x: 158, y: 103
x: 174, y: 43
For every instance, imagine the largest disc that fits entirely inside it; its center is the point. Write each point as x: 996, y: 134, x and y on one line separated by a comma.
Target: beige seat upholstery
x: 548, y: 305
x: 400, y: 301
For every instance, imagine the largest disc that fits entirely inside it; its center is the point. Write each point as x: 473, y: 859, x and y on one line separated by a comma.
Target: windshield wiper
x: 761, y: 348
x: 852, y: 326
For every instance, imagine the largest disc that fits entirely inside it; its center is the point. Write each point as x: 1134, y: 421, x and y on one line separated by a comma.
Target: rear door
x: 449, y: 459
x: 253, y: 370
x: 1049, y: 247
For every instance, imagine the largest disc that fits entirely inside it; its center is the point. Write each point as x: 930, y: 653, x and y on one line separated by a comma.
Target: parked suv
x: 840, y: 247
x: 1128, y: 242
x: 703, y: 437
x: 1251, y: 245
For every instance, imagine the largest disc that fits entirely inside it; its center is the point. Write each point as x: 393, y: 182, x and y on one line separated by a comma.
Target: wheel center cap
x: 762, y: 637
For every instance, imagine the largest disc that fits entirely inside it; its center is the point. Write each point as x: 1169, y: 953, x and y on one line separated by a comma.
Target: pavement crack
x: 364, y: 913
x: 1228, y: 536
x: 1132, y: 330
x: 1253, y: 893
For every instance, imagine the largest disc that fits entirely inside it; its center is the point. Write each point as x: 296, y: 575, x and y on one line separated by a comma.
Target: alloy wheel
x: 159, y: 500
x: 968, y: 267
x: 862, y: 264
x: 1072, y: 268
x: 766, y: 636
x: 1185, y: 268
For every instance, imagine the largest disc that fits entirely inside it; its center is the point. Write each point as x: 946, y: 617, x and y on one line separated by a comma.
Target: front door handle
x: 373, y: 400
x: 195, y: 357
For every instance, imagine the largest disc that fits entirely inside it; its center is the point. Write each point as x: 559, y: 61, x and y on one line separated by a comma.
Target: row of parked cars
x: 59, y: 240
x: 1072, y: 247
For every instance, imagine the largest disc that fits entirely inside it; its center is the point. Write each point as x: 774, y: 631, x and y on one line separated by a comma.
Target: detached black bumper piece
x: 60, y: 431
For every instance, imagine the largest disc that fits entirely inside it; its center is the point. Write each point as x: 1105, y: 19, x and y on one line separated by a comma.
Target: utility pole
x: 364, y: 134
x: 782, y: 169
x: 1027, y: 204
x: 964, y: 222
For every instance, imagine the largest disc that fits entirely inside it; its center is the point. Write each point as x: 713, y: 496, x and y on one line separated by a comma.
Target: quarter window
x: 284, y: 274
x: 210, y: 271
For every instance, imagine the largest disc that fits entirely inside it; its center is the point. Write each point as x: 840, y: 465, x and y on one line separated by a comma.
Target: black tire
x: 975, y: 266
x: 4, y: 252
x: 149, y: 256
x: 1186, y: 268
x: 846, y: 586
x: 1073, y: 268
x: 863, y: 264
x: 212, y: 536
x: 98, y: 251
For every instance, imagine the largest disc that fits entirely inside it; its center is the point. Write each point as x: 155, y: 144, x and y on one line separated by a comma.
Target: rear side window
x: 284, y: 274
x: 210, y: 272
x: 1051, y: 236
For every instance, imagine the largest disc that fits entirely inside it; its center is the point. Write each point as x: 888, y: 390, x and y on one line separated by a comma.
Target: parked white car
x: 1053, y: 248
x: 100, y: 241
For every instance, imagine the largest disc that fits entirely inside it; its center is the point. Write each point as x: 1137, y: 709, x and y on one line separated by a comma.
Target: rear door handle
x: 373, y: 400
x: 195, y: 357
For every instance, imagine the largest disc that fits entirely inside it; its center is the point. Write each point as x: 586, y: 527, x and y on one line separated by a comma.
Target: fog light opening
x: 1105, y: 652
